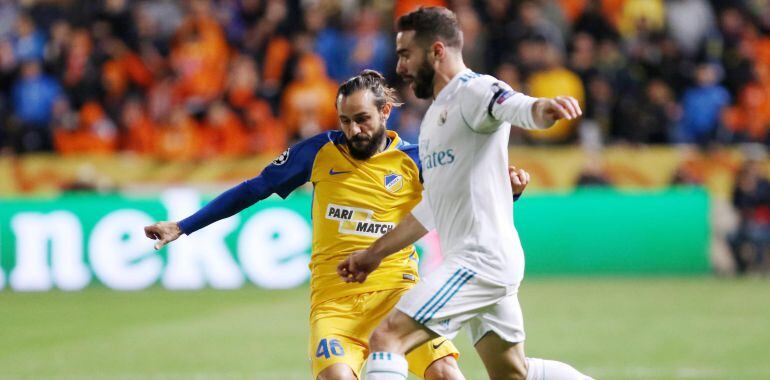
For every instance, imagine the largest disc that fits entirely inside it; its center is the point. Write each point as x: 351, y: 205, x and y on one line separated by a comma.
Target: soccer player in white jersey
x: 464, y: 153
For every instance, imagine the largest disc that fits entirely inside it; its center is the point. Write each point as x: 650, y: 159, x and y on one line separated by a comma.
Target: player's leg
x: 399, y: 333
x: 445, y: 368
x: 420, y: 315
x: 498, y: 333
x: 435, y: 360
x: 391, y: 340
x: 502, y: 360
x: 339, y: 371
x: 336, y: 350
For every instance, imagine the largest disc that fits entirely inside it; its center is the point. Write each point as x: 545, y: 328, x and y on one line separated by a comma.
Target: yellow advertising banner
x: 552, y: 169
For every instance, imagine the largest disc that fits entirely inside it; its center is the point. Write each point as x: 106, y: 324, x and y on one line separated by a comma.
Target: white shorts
x: 453, y: 294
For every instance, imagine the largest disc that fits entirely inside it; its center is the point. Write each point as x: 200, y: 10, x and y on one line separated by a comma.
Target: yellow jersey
x: 354, y: 203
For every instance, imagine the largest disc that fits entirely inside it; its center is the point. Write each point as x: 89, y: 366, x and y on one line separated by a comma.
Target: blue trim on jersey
x: 290, y: 171
x: 469, y: 76
x: 412, y: 150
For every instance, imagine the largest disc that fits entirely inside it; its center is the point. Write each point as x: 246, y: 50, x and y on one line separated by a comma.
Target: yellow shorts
x: 340, y: 329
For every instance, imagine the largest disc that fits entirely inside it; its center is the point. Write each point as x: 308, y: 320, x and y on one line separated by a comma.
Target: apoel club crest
x: 394, y: 182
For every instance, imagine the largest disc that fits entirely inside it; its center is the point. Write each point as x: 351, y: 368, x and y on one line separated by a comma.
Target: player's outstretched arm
x: 547, y: 111
x: 282, y: 176
x: 357, y: 266
x: 225, y: 205
x: 163, y: 232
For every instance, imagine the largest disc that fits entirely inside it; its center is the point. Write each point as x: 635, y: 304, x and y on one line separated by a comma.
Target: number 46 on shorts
x: 329, y: 346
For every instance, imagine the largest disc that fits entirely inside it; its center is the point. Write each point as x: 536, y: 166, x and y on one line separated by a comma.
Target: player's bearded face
x: 422, y: 81
x: 362, y: 146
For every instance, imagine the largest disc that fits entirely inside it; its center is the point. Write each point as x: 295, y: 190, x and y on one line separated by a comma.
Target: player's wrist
x: 539, y: 113
x: 176, y: 229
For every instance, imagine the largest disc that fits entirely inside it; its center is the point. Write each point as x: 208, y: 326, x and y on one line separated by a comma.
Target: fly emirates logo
x: 357, y: 221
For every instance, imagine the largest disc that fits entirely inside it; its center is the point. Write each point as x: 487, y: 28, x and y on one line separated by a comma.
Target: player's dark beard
x: 423, y: 81
x: 362, y: 147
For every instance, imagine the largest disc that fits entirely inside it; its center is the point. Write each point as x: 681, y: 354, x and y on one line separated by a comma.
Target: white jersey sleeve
x: 486, y: 103
x: 423, y: 213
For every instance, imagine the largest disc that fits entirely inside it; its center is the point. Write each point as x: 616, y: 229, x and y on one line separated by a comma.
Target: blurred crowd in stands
x: 201, y: 78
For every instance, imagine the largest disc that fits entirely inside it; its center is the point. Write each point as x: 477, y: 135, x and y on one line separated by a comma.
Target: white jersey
x: 464, y: 155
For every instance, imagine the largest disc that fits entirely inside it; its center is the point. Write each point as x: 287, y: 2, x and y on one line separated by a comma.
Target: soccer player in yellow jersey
x: 365, y: 180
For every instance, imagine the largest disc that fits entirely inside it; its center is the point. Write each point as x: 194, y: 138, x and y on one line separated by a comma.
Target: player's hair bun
x: 372, y: 74
x: 373, y: 81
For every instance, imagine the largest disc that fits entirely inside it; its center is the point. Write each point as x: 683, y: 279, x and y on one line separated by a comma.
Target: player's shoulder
x: 318, y: 141
x: 476, y: 80
x: 334, y: 137
x: 479, y: 87
x: 406, y: 146
x: 305, y: 151
x: 411, y: 150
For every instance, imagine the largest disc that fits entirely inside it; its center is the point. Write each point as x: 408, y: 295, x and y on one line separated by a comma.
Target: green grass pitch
x: 611, y: 328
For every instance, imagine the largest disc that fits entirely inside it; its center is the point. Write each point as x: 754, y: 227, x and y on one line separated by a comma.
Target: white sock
x: 386, y: 366
x: 541, y: 369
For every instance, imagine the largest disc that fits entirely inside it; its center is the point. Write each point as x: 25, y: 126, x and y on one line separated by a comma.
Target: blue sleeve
x: 413, y: 152
x: 287, y: 172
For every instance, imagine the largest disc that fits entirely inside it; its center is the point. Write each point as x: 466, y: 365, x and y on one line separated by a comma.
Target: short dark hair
x: 431, y: 24
x: 373, y: 81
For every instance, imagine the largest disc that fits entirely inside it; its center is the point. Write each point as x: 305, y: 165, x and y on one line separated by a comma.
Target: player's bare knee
x: 384, y: 336
x: 445, y: 368
x: 381, y: 339
x: 337, y: 372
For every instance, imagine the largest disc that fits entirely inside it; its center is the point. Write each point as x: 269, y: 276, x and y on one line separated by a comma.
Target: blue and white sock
x: 386, y: 366
x: 541, y: 369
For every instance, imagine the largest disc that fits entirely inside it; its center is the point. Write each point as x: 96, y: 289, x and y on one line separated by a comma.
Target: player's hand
x: 519, y: 179
x: 560, y: 107
x: 164, y: 232
x: 358, y: 266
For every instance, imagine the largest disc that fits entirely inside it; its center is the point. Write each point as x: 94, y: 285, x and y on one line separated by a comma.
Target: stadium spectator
x: 647, y: 117
x: 199, y: 56
x: 266, y: 133
x: 473, y: 36
x: 178, y: 137
x: 81, y: 76
x: 331, y: 42
x: 223, y: 133
x: 702, y: 106
x: 689, y: 35
x: 592, y: 21
x: 751, y: 198
x: 94, y: 133
x: 28, y: 42
x: 308, y: 101
x: 749, y: 119
x: 531, y: 22
x: 555, y: 80
x: 641, y: 16
x: 139, y: 135
x: 34, y: 95
x: 371, y: 48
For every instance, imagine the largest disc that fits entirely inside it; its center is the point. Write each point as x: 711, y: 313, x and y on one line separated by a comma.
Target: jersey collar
x: 449, y: 88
